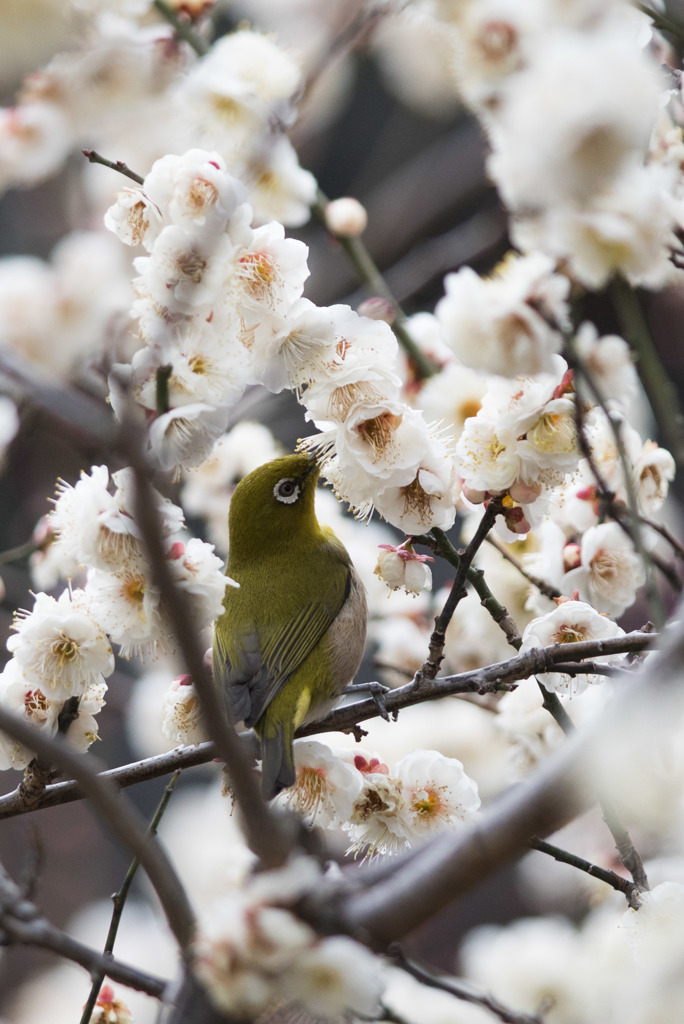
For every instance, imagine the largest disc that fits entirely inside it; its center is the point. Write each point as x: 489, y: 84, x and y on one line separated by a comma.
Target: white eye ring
x: 286, y: 491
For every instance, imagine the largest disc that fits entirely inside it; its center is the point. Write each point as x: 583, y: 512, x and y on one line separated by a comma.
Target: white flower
x: 21, y: 698
x: 97, y: 528
x: 243, y: 80
x: 199, y: 572
x: 552, y: 142
x: 184, y: 437
x: 83, y: 731
x: 182, y: 721
x: 59, y: 646
x: 437, y: 792
x: 401, y: 566
x: 377, y: 825
x: 128, y: 607
x: 452, y: 396
x: 628, y: 229
x: 266, y: 272
x: 611, y: 570
x: 654, y: 468
x: 325, y: 786
x: 334, y: 978
x: 655, y: 932
x: 185, y: 270
x: 195, y: 190
x: 508, y: 323
x: 279, y: 189
x: 426, y: 501
x: 134, y: 218
x: 570, y: 622
x: 609, y: 363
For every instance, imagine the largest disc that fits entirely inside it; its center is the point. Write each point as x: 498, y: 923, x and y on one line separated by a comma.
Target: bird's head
x: 274, y: 504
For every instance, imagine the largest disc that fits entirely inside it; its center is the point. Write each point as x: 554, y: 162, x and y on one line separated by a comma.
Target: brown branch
x: 542, y: 586
x: 623, y: 885
x: 460, y: 991
x: 457, y: 593
x: 114, y: 165
x: 21, y: 922
x: 499, y: 676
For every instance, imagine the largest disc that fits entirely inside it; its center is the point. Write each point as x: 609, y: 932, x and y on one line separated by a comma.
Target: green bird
x: 292, y: 636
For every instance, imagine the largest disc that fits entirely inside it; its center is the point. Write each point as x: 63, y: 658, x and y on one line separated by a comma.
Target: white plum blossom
x: 244, y: 80
x: 182, y: 721
x: 553, y: 143
x: 84, y: 730
x: 571, y: 622
x: 60, y: 646
x: 199, y: 572
x: 97, y: 529
x: 128, y: 607
x: 609, y: 363
x: 422, y: 794
x: 337, y: 976
x: 655, y: 933
x: 610, y: 570
x: 654, y: 468
x: 325, y: 786
x: 26, y: 700
x: 253, y: 953
x: 507, y: 323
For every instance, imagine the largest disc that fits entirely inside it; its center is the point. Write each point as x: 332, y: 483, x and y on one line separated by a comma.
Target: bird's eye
x: 286, y: 490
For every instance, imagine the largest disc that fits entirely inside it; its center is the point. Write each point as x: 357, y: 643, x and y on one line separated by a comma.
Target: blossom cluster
x: 383, y: 809
x: 252, y: 953
x: 61, y: 648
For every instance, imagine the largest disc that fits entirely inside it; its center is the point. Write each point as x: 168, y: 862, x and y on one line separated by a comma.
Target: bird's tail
x: 277, y: 759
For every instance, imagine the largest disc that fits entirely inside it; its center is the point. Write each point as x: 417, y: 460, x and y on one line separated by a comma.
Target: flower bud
x: 346, y: 217
x: 402, y: 567
x: 378, y: 309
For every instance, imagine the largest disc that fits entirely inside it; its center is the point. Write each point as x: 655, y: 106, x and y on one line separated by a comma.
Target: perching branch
x: 501, y: 675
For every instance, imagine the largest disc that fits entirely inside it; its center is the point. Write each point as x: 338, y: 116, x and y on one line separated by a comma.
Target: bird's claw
x: 376, y: 691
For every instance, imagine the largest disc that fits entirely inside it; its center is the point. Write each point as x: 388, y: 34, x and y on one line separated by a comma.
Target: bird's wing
x: 256, y: 665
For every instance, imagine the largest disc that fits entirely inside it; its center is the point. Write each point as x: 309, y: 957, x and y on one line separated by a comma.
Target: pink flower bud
x: 378, y: 309
x: 572, y: 556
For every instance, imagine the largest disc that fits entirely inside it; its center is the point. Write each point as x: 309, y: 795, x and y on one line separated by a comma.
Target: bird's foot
x: 376, y: 691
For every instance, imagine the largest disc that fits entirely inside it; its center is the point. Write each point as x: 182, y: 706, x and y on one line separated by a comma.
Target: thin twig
x: 369, y: 274
x: 119, y: 900
x: 458, y: 592
x: 542, y: 586
x: 22, y: 922
x: 182, y: 27
x: 661, y: 21
x: 627, y: 852
x: 458, y: 989
x: 623, y: 885
x: 116, y: 165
